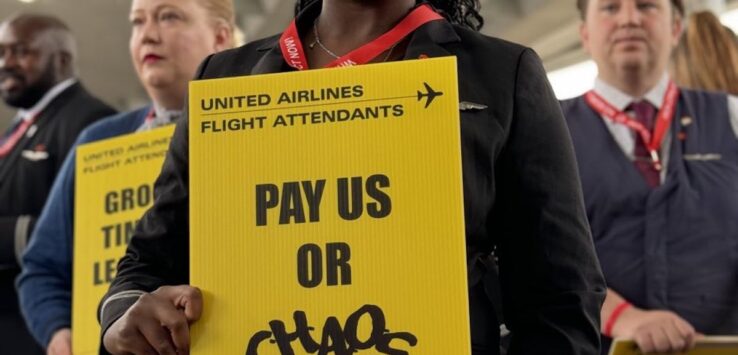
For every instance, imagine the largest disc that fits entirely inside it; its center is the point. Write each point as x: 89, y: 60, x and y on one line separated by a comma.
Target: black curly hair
x: 461, y: 12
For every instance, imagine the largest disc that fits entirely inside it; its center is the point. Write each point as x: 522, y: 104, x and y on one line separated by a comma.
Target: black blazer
x: 26, y: 176
x: 521, y: 192
x: 28, y: 171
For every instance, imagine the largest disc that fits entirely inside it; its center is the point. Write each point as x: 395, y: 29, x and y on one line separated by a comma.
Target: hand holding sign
x: 656, y: 331
x: 158, y: 323
x: 114, y: 186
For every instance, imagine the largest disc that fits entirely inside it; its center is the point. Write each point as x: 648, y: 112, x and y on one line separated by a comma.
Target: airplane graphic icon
x: 430, y: 94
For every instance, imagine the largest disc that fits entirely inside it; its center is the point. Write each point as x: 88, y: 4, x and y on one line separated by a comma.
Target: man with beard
x: 37, y: 76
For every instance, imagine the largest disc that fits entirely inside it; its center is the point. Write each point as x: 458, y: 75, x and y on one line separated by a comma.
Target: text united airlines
x: 310, y: 114
x: 228, y: 103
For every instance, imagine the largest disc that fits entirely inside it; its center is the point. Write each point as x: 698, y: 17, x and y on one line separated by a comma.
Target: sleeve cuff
x: 52, y: 328
x: 22, y: 232
x: 16, y: 231
x: 115, y: 306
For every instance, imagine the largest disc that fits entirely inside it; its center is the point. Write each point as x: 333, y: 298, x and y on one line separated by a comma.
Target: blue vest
x: 674, y: 247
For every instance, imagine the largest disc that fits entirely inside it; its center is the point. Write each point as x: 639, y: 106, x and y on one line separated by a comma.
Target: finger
x: 677, y: 342
x: 172, y: 321
x: 179, y: 331
x: 689, y: 334
x: 158, y: 338
x: 192, y: 304
x: 123, y: 337
x: 139, y: 346
x: 661, y: 342
x: 644, y: 341
x: 184, y: 297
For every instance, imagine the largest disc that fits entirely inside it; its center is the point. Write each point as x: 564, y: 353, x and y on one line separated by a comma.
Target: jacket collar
x: 426, y: 41
x: 45, y: 117
x: 48, y: 97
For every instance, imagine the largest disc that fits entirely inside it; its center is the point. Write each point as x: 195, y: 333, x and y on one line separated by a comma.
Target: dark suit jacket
x: 521, y: 192
x: 26, y: 176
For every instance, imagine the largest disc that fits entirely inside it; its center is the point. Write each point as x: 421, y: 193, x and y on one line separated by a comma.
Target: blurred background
x: 102, y: 29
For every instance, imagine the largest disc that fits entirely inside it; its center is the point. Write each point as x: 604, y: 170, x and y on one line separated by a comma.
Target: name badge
x: 33, y: 155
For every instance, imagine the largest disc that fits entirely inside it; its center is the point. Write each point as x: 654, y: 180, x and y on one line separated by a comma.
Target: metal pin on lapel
x: 471, y: 106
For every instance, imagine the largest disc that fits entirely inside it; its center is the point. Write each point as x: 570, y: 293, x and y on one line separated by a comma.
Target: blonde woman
x: 169, y: 39
x: 707, y: 55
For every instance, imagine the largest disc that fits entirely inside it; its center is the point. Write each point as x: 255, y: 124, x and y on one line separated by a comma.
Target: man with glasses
x: 37, y: 77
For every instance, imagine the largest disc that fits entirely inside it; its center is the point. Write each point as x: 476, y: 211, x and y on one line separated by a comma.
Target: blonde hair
x: 707, y: 55
x: 222, y: 11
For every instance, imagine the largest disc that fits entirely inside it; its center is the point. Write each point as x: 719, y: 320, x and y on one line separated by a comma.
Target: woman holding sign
x: 169, y: 39
x: 521, y: 188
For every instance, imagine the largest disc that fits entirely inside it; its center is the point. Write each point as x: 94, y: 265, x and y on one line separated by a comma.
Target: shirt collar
x: 49, y: 96
x: 165, y: 116
x: 162, y: 117
x: 621, y: 100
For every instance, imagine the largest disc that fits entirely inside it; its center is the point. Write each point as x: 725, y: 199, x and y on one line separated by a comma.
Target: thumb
x: 185, y: 298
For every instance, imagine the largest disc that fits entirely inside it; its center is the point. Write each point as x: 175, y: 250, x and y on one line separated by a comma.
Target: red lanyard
x: 16, y: 136
x: 150, y: 116
x: 294, y: 54
x: 663, y: 119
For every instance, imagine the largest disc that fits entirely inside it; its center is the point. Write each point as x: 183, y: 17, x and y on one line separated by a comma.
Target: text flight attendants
x: 520, y: 185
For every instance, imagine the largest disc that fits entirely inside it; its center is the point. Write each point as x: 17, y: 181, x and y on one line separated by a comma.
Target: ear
x: 63, y: 62
x: 584, y: 36
x: 223, y: 38
x: 65, y: 59
x: 677, y: 28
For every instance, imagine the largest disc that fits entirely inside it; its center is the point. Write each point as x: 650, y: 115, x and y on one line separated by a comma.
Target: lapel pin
x: 686, y: 121
x: 471, y: 106
x: 34, y: 155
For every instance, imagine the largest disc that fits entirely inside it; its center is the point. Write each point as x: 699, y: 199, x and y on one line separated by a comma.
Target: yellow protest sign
x: 711, y: 345
x: 326, y: 212
x: 113, y: 188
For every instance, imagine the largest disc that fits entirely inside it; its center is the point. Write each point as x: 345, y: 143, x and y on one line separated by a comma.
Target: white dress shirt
x: 626, y: 137
x: 162, y: 117
x: 27, y: 114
